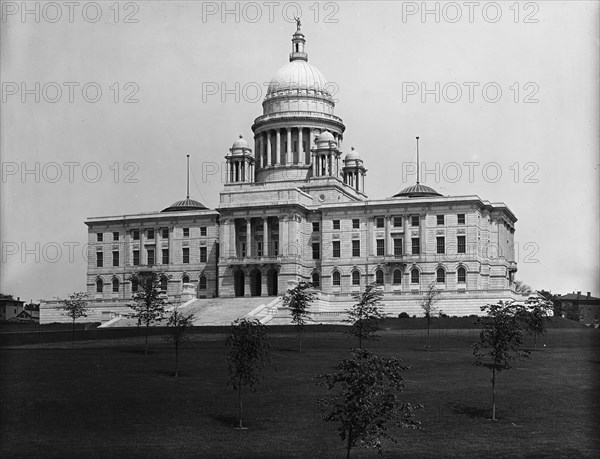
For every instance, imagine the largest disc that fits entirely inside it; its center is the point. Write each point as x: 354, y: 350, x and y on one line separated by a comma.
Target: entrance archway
x: 255, y: 282
x: 238, y: 282
x: 272, y: 282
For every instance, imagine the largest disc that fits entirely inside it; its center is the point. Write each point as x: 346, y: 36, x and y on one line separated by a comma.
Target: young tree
x: 366, y: 314
x: 534, y: 313
x: 553, y: 300
x: 367, y: 399
x: 499, y: 341
x: 248, y: 349
x: 428, y: 302
x: 299, y: 299
x: 149, y: 302
x: 75, y: 307
x: 178, y: 324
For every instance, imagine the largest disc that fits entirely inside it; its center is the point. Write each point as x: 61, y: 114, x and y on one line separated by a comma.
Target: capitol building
x: 294, y: 208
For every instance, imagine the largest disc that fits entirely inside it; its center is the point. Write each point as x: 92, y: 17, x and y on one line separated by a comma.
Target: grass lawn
x: 105, y: 399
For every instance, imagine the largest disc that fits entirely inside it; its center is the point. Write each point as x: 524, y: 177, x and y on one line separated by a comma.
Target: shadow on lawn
x: 472, y: 412
x: 136, y: 351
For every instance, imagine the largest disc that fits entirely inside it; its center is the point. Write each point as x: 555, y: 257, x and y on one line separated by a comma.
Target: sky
x: 102, y: 101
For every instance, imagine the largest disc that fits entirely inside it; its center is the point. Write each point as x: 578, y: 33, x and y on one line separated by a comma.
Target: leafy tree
x: 534, y: 314
x: 149, y: 302
x: 248, y: 349
x: 75, y: 307
x: 522, y: 288
x: 428, y: 302
x: 554, y: 301
x: 499, y: 341
x: 178, y: 324
x: 299, y: 299
x: 366, y: 314
x: 367, y: 399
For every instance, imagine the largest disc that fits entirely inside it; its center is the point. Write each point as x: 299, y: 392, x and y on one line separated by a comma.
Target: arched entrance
x: 272, y: 282
x: 255, y: 282
x: 238, y: 282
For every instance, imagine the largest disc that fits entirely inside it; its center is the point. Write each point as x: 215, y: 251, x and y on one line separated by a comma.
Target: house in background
x: 9, y: 307
x: 587, y: 306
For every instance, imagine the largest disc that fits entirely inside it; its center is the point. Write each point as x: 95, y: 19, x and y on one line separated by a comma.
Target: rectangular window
x: 259, y: 249
x: 398, y: 222
x: 380, y: 247
x: 165, y: 233
x: 275, y: 248
x: 151, y: 233
x: 356, y: 248
x: 316, y: 250
x: 355, y: 223
x: 203, y: 231
x: 186, y: 232
x: 136, y: 258
x: 165, y: 256
x: 379, y: 222
x: 441, y: 244
x: 461, y: 243
x: 115, y: 286
x: 336, y: 249
x: 315, y: 227
x: 440, y: 219
x: 243, y: 249
x: 336, y: 224
x: 135, y: 234
x: 100, y: 237
x: 99, y: 260
x: 151, y: 260
x: 115, y: 258
x: 416, y: 246
x: 115, y: 236
x: 186, y: 255
x: 203, y: 253
x: 414, y: 220
x: 461, y: 219
x: 397, y: 247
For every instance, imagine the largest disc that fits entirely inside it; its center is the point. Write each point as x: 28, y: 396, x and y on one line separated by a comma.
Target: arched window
x: 414, y: 276
x: 461, y: 275
x: 99, y: 285
x: 134, y: 284
x: 397, y: 278
x: 164, y: 282
x: 440, y: 276
x: 336, y: 279
x: 115, y: 285
x: 379, y: 277
x: 185, y: 279
x: 316, y: 280
x: 202, y: 283
x: 355, y: 278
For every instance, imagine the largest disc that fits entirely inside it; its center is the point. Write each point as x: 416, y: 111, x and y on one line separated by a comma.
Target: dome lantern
x: 298, y: 43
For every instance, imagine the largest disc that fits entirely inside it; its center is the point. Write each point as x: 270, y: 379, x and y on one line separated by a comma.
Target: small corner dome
x: 240, y: 143
x: 352, y: 155
x: 417, y: 191
x: 325, y: 137
x: 185, y: 206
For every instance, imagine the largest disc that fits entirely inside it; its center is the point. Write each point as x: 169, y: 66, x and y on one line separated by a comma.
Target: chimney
x: 18, y: 298
x: 588, y: 295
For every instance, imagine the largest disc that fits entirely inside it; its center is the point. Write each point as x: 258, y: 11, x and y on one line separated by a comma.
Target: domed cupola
x: 353, y: 172
x: 187, y: 204
x: 297, y: 107
x: 324, y: 139
x: 417, y: 190
x: 240, y: 162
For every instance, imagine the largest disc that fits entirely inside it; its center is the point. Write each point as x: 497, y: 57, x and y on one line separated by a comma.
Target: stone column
x: 143, y: 257
x: 283, y: 236
x: 157, y: 252
x: 233, y: 239
x: 265, y: 237
x: 278, y: 147
x: 248, y: 238
x: 288, y: 151
x: 127, y: 251
x: 407, y: 236
x: 389, y: 250
x: 171, y: 248
x: 268, y: 149
x: 301, y: 154
x: 373, y: 237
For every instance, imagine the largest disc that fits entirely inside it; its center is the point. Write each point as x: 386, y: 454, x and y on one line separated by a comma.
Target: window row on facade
x: 149, y: 234
x: 396, y: 221
x: 115, y: 284
x: 395, y: 278
x: 150, y: 257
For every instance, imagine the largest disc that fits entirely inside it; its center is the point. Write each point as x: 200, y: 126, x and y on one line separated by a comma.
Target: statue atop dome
x: 298, y: 24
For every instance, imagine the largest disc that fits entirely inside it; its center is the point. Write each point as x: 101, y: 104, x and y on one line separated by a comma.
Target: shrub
x: 403, y: 315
